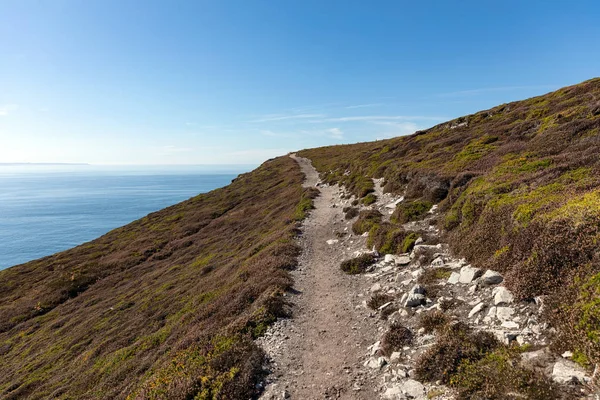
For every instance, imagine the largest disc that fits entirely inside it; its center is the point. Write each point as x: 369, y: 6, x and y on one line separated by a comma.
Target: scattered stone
x: 402, y: 260
x: 468, y: 274
x: 502, y: 295
x: 418, y: 289
x: 414, y: 300
x: 332, y: 241
x: 375, y: 288
x: 476, y: 309
x: 414, y: 389
x: 438, y: 262
x: 454, y: 278
x: 510, y: 325
x: 504, y: 313
x: 375, y: 363
x: 491, y: 278
x: 565, y: 371
x: 395, y: 357
x: 419, y: 241
x: 567, y: 354
x: 394, y: 393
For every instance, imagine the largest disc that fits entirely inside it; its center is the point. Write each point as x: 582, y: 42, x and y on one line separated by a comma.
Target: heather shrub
x: 396, y: 337
x: 357, y: 265
x: 455, y: 344
x: 350, y: 212
x: 379, y: 299
x: 369, y: 199
x: 367, y: 219
x: 433, y: 321
x: 410, y: 211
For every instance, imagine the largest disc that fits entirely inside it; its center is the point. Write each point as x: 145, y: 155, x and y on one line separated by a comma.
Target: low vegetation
x: 163, y: 308
x: 358, y: 265
x: 367, y: 219
x: 396, y: 337
x: 518, y: 189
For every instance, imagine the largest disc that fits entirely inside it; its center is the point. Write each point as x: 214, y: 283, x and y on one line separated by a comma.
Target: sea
x: 45, y: 209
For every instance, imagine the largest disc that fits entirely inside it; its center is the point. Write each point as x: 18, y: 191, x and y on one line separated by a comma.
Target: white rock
x: 386, y: 305
x: 375, y: 288
x: 567, y: 354
x: 414, y: 389
x: 510, y: 325
x: 504, y: 313
x: 402, y: 260
x: 375, y: 363
x: 395, y: 357
x: 389, y: 258
x: 492, y: 312
x: 476, y: 309
x: 332, y: 241
x: 502, y: 295
x: 417, y: 273
x: 565, y: 371
x: 454, y: 278
x: 491, y: 278
x: 468, y: 274
x: 419, y: 241
x: 394, y: 393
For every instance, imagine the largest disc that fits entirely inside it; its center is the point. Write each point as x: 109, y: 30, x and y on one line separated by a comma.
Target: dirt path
x: 319, y: 353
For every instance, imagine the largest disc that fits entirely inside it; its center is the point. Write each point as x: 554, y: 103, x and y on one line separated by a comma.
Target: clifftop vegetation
x: 519, y: 190
x: 165, y: 307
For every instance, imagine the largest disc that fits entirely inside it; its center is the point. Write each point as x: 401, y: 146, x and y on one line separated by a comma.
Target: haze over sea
x: 51, y: 208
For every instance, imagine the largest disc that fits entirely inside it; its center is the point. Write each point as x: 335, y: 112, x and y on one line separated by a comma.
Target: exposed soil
x: 319, y: 353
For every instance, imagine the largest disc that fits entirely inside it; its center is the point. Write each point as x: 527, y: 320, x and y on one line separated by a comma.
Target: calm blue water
x: 44, y: 210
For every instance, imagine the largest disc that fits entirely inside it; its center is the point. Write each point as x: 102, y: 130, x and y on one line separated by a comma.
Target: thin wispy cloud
x: 475, y: 92
x: 176, y: 149
x: 365, y: 105
x: 336, y: 133
x: 7, y: 109
x: 379, y: 118
x: 284, y: 117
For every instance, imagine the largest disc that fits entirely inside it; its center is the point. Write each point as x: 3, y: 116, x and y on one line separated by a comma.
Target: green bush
x: 367, y: 219
x: 369, y: 199
x: 357, y: 265
x: 410, y: 211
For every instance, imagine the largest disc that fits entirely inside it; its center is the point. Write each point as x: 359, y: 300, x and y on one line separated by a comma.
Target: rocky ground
x: 332, y: 347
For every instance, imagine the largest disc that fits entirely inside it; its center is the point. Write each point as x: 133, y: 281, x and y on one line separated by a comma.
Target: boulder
x: 565, y: 371
x: 491, y: 278
x: 468, y: 274
x: 394, y: 393
x: 402, y: 260
x: 502, y: 295
x: 414, y: 389
x: 375, y: 288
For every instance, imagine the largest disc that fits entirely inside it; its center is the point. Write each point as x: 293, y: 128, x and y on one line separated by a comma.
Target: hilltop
x: 177, y: 304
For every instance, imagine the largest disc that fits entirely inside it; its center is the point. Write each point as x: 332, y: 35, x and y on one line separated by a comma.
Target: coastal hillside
x: 388, y: 253
x: 516, y: 189
x: 165, y: 307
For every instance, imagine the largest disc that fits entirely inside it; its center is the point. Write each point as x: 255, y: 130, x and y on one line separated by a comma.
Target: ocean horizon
x: 45, y: 209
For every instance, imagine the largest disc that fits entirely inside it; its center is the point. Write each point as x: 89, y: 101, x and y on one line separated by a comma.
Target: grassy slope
x: 519, y: 191
x: 161, y: 308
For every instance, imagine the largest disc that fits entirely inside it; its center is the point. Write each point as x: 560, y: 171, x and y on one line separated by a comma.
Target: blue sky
x: 203, y: 82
